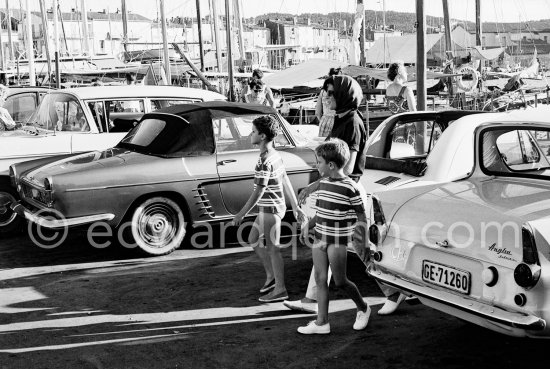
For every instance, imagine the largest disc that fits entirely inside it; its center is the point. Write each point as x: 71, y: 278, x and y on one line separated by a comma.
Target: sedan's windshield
x: 60, y: 112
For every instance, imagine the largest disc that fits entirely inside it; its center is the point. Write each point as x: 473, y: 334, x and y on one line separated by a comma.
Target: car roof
x: 539, y: 116
x: 219, y: 108
x: 129, y: 91
x: 439, y: 115
x: 12, y: 90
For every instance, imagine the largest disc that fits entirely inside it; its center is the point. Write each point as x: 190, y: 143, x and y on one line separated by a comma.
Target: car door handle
x: 223, y: 162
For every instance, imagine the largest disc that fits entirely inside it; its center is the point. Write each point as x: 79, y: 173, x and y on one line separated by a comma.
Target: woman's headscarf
x: 347, y: 93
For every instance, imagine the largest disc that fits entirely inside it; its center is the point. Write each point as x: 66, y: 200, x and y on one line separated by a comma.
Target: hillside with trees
x: 401, y: 21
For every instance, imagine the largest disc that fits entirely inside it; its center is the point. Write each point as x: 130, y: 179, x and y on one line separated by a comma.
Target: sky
x: 491, y: 11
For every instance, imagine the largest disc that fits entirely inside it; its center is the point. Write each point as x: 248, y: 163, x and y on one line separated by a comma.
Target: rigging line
x: 527, y: 25
x: 280, y: 7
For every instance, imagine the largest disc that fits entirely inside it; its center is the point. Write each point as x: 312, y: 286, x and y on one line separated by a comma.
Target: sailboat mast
x: 85, y: 28
x: 2, y: 58
x: 448, y: 39
x: 55, y: 26
x: 384, y: 26
x: 56, y: 44
x: 217, y: 34
x: 165, y: 44
x: 447, y: 23
x: 46, y: 38
x: 479, y: 36
x: 30, y: 51
x: 229, y: 50
x: 124, y: 25
x: 420, y: 55
x: 199, y: 29
x: 239, y: 20
x: 10, y: 39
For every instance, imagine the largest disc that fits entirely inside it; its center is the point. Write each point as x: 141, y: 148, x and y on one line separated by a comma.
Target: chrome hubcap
x: 158, y: 224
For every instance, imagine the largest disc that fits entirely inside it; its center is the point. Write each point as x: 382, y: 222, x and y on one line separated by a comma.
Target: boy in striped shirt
x: 339, y: 207
x: 270, y: 184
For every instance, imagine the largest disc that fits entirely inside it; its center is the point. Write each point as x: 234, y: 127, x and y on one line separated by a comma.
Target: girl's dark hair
x: 257, y: 73
x: 256, y: 83
x: 328, y: 81
x: 393, y: 71
x: 267, y: 125
x: 334, y: 71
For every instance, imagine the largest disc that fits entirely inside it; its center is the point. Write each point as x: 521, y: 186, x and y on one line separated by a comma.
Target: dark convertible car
x: 180, y: 166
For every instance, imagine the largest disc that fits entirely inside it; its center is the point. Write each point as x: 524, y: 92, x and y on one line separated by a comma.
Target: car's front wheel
x: 9, y: 221
x: 158, y: 226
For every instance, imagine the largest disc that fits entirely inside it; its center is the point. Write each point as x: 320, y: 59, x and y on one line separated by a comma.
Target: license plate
x: 446, y: 276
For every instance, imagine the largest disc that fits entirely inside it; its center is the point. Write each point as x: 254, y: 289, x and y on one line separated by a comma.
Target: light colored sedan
x: 79, y: 120
x: 477, y: 246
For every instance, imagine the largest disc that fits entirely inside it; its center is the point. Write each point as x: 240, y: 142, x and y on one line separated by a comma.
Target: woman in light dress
x: 323, y: 112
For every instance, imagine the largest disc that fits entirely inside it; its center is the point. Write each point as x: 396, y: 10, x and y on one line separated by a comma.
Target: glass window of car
x: 60, y: 112
x: 21, y: 106
x: 413, y: 139
x: 144, y: 134
x: 233, y: 134
x: 98, y: 112
x: 70, y: 116
x: 126, y: 106
x: 156, y: 104
x: 515, y: 150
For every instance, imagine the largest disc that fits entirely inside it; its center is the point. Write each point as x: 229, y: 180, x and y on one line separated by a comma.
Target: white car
x: 476, y: 246
x: 82, y: 119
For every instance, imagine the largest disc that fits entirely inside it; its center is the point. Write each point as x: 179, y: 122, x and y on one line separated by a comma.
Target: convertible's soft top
x: 164, y: 132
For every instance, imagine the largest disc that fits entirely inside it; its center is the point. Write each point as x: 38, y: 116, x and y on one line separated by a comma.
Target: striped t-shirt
x: 337, y: 205
x: 269, y: 173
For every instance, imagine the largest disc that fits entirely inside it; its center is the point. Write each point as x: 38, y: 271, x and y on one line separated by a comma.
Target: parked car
x: 180, y: 167
x: 82, y: 119
x: 477, y: 246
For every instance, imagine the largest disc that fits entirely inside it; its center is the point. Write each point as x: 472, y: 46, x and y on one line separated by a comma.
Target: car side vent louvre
x: 387, y: 180
x: 203, y: 202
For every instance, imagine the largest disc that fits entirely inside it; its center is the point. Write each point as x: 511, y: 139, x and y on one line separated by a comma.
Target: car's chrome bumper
x: 48, y: 222
x: 475, y: 308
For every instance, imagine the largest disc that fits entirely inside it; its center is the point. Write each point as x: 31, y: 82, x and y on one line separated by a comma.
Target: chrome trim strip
x: 138, y: 184
x: 497, y: 315
x: 58, y: 223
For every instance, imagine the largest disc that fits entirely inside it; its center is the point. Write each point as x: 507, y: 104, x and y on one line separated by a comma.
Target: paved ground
x: 80, y: 307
